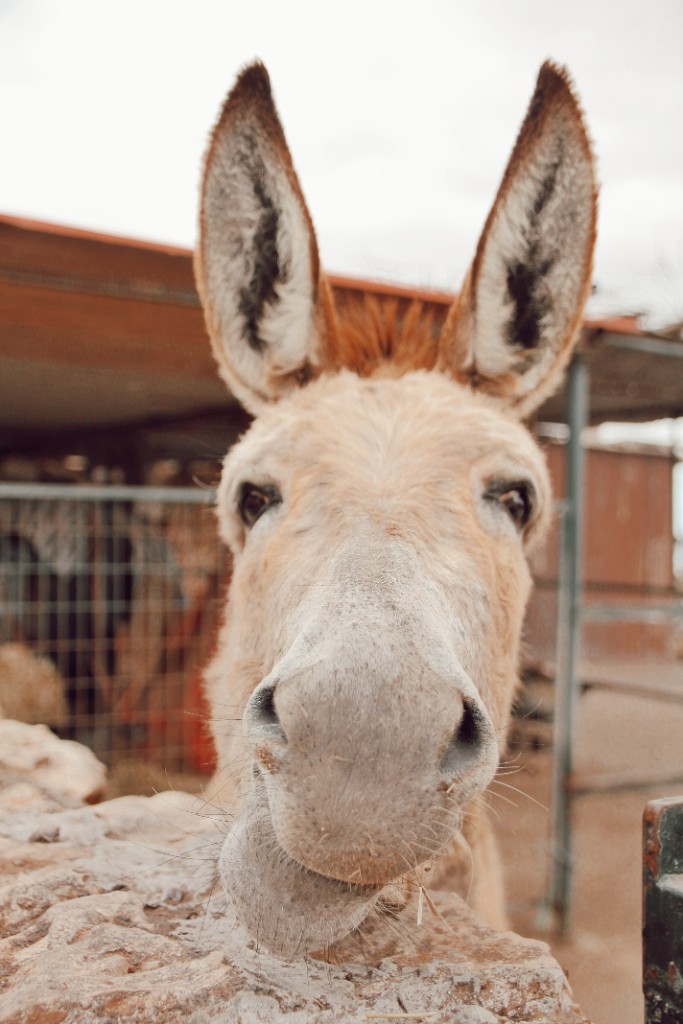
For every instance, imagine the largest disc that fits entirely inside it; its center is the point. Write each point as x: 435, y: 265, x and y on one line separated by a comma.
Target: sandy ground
x: 602, y: 953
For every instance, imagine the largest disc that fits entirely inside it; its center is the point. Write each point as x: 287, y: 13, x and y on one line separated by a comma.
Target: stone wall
x: 109, y: 912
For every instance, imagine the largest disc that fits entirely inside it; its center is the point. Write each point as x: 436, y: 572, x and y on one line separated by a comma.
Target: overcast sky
x: 400, y: 116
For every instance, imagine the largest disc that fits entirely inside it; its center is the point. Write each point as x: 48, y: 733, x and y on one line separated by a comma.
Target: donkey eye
x: 517, y: 498
x: 256, y: 499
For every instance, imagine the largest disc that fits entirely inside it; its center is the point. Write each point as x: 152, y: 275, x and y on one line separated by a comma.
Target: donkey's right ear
x: 267, y: 306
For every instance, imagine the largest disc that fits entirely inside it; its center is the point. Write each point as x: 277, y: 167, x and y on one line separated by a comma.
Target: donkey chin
x: 287, y: 908
x: 322, y: 832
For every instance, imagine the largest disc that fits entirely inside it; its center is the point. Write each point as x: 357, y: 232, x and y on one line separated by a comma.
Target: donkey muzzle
x: 365, y: 778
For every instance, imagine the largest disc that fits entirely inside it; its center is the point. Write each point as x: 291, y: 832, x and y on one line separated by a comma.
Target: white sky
x: 400, y: 116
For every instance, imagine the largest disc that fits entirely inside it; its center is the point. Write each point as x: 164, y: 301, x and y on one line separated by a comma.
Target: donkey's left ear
x: 267, y: 306
x: 512, y: 329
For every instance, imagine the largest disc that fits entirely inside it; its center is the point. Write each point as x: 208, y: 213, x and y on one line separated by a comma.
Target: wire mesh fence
x: 110, y: 601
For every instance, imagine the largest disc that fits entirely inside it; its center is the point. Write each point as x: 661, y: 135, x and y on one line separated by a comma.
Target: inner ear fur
x: 512, y: 329
x: 267, y: 306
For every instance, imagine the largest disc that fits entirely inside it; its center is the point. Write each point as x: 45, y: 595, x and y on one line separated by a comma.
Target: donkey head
x: 379, y: 512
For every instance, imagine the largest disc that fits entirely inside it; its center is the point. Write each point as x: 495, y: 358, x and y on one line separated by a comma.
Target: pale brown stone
x: 108, y: 913
x: 62, y: 770
x: 31, y: 688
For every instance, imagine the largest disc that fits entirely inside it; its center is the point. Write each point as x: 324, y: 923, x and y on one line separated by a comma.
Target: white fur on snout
x: 369, y: 706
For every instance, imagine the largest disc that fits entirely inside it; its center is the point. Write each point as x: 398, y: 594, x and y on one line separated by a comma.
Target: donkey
x: 379, y: 510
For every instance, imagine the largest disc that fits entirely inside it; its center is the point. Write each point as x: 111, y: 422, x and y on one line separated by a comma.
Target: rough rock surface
x: 64, y: 771
x: 108, y: 913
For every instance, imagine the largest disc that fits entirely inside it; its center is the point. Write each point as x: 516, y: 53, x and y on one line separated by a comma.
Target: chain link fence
x: 110, y: 600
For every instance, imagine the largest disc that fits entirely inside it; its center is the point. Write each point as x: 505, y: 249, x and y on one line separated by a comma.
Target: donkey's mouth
x: 288, y: 909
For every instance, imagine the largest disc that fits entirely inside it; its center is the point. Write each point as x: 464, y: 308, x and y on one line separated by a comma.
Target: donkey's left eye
x: 517, y: 498
x: 255, y: 499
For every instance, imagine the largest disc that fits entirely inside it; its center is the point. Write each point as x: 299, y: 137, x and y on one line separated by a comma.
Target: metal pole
x: 107, y: 492
x: 567, y: 685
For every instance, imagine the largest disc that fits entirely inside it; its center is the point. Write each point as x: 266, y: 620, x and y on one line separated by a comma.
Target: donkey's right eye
x: 255, y: 499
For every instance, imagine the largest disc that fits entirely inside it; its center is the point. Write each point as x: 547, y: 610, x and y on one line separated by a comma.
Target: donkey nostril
x: 467, y: 734
x: 466, y: 745
x: 262, y: 712
x: 263, y: 704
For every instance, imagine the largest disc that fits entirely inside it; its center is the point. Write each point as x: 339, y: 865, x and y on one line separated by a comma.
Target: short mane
x: 387, y: 335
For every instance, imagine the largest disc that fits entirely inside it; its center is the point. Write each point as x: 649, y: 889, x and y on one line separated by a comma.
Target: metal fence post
x: 663, y: 911
x: 567, y: 685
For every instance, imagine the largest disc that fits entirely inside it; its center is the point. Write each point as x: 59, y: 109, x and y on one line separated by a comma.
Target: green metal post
x: 567, y: 685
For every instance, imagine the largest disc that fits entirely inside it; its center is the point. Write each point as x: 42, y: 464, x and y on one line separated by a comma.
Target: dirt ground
x: 602, y: 953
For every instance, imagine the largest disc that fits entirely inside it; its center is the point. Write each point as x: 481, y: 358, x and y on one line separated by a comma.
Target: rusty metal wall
x: 627, y: 559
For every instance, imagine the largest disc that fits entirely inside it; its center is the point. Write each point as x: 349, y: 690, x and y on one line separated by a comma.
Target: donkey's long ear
x: 267, y: 306
x: 513, y: 328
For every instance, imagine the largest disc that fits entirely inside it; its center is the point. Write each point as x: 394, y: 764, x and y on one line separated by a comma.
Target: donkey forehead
x: 346, y: 428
